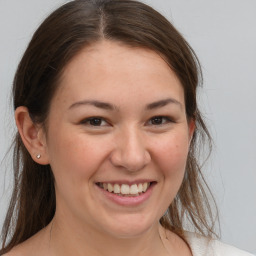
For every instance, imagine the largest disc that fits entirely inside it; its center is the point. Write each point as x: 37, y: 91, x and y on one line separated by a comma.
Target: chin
x: 131, y: 227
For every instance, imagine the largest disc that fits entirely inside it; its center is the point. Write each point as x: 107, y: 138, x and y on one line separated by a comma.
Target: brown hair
x: 59, y: 38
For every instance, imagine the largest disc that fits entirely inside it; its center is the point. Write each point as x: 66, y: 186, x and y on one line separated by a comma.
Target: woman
x: 108, y: 138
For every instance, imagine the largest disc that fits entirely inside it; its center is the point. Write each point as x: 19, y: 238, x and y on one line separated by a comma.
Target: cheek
x: 171, y: 163
x: 74, y: 157
x: 172, y: 155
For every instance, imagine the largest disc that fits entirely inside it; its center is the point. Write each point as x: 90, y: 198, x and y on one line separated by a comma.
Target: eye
x: 159, y: 120
x: 94, y: 121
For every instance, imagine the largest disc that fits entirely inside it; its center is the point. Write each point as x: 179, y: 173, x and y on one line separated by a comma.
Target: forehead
x: 113, y: 68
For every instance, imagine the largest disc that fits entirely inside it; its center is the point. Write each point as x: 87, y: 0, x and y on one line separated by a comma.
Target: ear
x: 191, y: 128
x: 32, y: 135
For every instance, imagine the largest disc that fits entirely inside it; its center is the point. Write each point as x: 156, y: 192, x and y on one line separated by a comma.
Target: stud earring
x: 38, y: 156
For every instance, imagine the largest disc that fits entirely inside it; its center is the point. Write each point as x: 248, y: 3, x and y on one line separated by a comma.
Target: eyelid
x: 168, y: 120
x: 86, y: 121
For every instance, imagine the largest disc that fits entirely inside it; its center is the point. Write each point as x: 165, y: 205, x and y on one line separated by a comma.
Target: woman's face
x: 117, y: 122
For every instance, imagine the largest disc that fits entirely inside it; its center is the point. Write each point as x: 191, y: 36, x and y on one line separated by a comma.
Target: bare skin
x: 41, y: 245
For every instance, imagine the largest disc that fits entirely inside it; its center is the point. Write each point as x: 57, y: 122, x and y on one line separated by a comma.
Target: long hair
x: 59, y: 38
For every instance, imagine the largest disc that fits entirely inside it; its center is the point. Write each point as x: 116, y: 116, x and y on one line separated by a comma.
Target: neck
x: 76, y: 240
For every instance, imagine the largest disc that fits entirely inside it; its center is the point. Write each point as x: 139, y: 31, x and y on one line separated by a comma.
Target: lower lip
x: 128, y: 200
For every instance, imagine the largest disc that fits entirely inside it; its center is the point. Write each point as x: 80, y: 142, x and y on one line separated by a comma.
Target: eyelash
x: 88, y: 121
x: 167, y: 120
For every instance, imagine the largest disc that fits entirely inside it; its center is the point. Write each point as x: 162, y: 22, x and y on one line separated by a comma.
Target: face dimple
x: 141, y: 134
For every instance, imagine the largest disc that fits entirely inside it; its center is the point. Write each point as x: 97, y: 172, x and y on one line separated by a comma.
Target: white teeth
x: 125, y: 189
x: 140, y: 188
x: 145, y: 187
x: 134, y: 189
x: 117, y: 189
x: 110, y: 187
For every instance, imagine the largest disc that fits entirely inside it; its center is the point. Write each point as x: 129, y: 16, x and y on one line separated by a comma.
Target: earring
x: 38, y: 156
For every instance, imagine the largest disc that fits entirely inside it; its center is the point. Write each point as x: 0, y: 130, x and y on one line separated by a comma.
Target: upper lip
x: 128, y: 182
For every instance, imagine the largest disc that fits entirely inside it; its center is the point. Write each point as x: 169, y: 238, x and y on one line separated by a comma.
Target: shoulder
x: 201, y: 246
x: 38, y: 243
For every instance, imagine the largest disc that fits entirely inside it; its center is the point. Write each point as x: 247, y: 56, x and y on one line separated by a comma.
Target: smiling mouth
x: 125, y: 190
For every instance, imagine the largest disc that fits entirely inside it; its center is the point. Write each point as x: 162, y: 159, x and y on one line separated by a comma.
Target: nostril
x: 129, y: 162
x: 130, y: 154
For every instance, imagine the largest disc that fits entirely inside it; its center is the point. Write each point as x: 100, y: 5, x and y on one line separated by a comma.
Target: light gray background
x: 223, y: 34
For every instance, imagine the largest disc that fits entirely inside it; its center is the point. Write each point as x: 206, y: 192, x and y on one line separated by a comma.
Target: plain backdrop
x: 223, y: 34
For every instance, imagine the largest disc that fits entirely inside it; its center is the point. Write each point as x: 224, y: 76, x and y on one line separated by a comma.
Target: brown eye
x: 159, y: 120
x: 94, y: 121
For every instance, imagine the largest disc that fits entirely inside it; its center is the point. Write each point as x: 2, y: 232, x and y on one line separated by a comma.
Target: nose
x: 130, y: 151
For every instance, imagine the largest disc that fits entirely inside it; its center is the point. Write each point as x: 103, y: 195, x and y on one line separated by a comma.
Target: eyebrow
x: 108, y: 106
x: 162, y: 103
x: 95, y: 103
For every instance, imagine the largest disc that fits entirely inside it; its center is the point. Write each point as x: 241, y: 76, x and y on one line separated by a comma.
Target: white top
x: 202, y: 246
